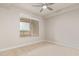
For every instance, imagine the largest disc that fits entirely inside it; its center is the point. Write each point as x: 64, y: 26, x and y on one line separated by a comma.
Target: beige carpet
x: 53, y: 50
x: 45, y: 49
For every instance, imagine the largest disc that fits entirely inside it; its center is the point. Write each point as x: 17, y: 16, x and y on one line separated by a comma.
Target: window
x: 24, y: 26
x: 29, y: 27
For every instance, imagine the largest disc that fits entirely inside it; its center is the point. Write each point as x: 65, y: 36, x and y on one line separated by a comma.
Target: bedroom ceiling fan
x: 44, y: 6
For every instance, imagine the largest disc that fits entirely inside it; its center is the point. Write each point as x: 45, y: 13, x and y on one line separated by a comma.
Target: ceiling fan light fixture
x: 44, y: 7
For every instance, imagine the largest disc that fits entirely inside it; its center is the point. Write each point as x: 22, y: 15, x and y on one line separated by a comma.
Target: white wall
x: 9, y: 28
x: 64, y: 29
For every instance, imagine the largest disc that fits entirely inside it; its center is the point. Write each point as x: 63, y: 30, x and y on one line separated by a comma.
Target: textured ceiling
x: 36, y: 10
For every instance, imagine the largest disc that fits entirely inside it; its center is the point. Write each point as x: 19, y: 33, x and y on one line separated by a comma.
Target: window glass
x: 24, y: 26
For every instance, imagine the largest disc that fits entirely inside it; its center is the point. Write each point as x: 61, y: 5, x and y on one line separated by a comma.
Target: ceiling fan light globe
x: 44, y: 7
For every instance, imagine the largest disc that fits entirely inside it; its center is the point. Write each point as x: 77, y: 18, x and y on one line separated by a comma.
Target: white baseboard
x: 62, y: 44
x: 5, y: 49
x: 50, y: 42
x: 57, y: 43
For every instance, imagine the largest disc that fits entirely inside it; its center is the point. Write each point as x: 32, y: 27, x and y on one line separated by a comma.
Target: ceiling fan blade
x: 49, y: 4
x: 49, y: 8
x: 41, y: 10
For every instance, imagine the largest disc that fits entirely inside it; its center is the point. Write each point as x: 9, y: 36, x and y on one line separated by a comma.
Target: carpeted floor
x: 42, y: 49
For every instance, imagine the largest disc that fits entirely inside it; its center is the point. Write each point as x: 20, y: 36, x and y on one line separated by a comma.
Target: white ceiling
x: 36, y: 10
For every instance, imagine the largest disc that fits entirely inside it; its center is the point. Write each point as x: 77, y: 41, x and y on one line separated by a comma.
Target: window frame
x: 25, y: 33
x: 34, y: 28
